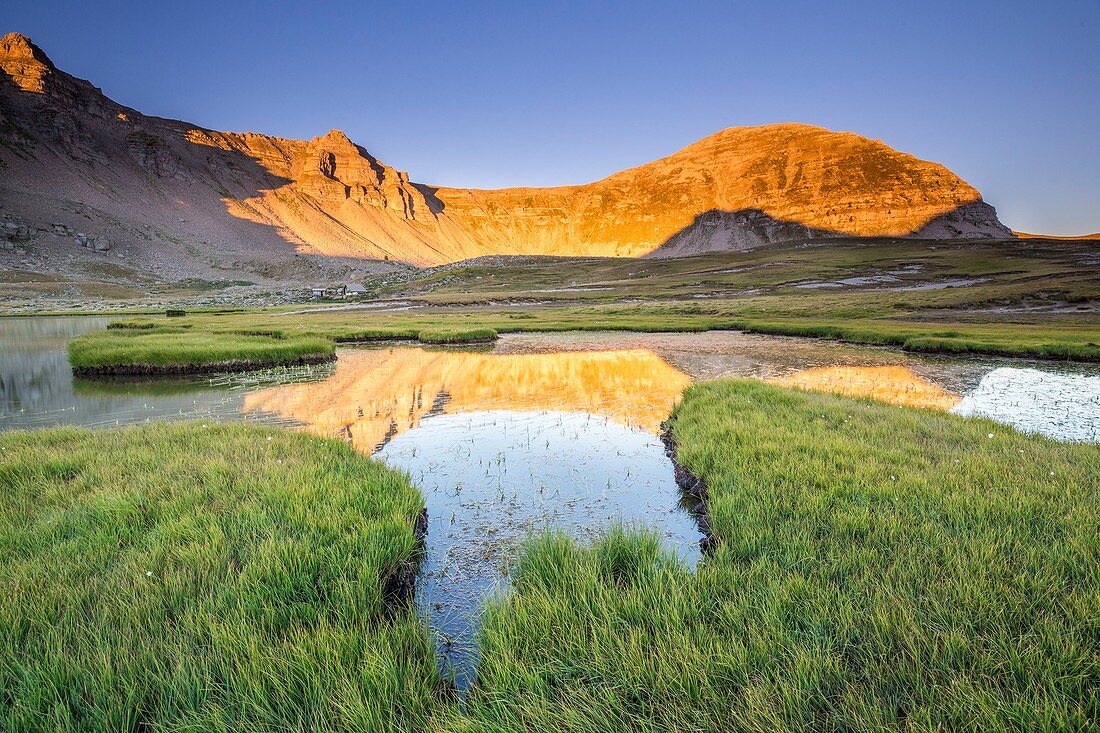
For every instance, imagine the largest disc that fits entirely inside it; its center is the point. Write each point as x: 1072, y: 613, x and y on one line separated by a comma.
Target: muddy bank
x: 235, y: 365
x: 693, y: 491
x: 398, y: 589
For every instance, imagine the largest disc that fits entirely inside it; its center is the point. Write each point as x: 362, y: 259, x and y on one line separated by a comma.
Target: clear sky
x: 1006, y: 94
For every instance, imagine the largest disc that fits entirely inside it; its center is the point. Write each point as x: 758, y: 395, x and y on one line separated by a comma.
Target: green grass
x: 366, y: 335
x: 186, y: 578
x: 137, y: 325
x: 876, y: 569
x: 458, y: 336
x: 1032, y: 298
x: 137, y: 350
x: 1051, y: 339
x: 158, y: 347
x: 1040, y: 342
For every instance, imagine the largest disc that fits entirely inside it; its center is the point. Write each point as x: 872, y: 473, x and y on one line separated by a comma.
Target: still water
x: 540, y: 431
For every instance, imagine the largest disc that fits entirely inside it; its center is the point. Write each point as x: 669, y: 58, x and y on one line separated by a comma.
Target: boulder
x: 16, y: 232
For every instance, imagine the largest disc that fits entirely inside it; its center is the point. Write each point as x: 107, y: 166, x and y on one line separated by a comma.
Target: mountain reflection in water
x: 896, y: 385
x: 379, y: 393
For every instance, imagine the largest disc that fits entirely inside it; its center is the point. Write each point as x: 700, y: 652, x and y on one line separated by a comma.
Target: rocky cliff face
x: 175, y: 196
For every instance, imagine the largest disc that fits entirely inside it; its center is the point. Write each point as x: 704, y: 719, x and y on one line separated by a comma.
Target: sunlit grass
x: 875, y: 568
x: 458, y: 336
x: 138, y: 350
x: 1050, y: 342
x: 194, y: 577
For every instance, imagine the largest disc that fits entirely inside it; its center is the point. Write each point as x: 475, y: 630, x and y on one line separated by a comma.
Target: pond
x: 539, y: 431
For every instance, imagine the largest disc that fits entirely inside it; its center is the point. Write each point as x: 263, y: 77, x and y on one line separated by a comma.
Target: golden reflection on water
x: 896, y: 385
x: 376, y: 394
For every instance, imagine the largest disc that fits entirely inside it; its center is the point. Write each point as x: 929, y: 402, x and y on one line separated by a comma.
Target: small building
x: 354, y: 290
x: 329, y: 293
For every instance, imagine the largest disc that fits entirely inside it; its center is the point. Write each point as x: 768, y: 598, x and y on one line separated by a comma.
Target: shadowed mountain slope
x: 176, y: 198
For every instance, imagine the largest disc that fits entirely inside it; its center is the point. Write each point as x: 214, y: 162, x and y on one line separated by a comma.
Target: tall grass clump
x: 174, y: 351
x: 964, y: 338
x: 366, y: 335
x: 458, y: 336
x: 875, y: 568
x: 189, y: 577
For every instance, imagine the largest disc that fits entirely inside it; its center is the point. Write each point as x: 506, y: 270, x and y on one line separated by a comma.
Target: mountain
x: 177, y: 199
x: 738, y: 188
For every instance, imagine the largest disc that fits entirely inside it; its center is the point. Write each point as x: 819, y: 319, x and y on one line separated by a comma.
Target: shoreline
x: 138, y: 370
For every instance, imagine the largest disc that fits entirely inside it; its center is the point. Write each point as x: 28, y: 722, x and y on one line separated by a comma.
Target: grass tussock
x: 992, y: 339
x: 876, y: 568
x: 170, y: 350
x: 367, y: 335
x: 458, y: 336
x: 134, y: 325
x: 185, y: 577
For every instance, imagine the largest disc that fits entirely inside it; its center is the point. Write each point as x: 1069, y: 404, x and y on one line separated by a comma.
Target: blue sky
x: 489, y: 94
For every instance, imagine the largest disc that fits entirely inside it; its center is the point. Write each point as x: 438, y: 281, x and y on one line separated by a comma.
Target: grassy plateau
x: 1032, y: 298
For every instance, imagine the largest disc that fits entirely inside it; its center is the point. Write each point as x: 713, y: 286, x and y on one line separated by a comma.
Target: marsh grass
x: 367, y: 335
x: 155, y: 347
x: 137, y: 325
x: 458, y: 336
x: 165, y: 349
x: 1028, y: 298
x: 945, y: 338
x: 1051, y: 338
x: 189, y: 577
x: 876, y: 568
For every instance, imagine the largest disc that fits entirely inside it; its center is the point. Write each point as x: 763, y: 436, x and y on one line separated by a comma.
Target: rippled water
x: 539, y: 431
x: 1064, y: 406
x: 489, y: 479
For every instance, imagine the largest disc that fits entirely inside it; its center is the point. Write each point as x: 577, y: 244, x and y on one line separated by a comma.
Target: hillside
x: 85, y: 177
x: 736, y: 189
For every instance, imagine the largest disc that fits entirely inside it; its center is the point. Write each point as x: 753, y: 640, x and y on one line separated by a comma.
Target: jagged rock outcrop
x: 70, y: 155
